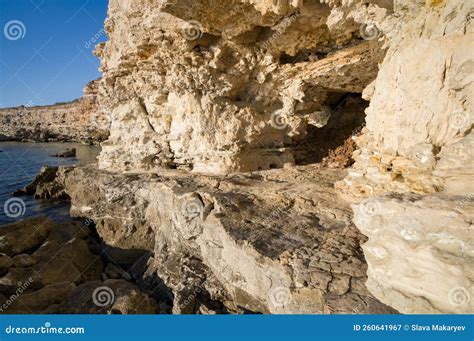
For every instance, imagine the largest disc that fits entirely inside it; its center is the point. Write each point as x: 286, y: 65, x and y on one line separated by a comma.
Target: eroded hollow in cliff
x: 333, y: 144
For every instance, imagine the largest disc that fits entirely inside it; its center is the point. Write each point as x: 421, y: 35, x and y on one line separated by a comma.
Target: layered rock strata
x: 228, y: 86
x: 81, y: 121
x: 413, y: 176
x: 272, y: 242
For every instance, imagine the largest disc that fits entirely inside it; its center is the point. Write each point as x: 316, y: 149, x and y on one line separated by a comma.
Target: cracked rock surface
x: 273, y: 242
x: 225, y: 86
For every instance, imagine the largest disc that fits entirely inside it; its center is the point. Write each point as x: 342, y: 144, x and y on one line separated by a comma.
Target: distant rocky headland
x: 276, y: 156
x: 80, y: 121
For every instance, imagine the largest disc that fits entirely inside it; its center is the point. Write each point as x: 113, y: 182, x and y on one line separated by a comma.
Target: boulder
x: 68, y: 153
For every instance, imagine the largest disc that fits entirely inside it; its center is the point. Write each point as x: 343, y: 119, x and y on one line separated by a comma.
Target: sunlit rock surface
x: 81, y: 120
x: 419, y: 140
x: 226, y: 86
x: 278, y: 241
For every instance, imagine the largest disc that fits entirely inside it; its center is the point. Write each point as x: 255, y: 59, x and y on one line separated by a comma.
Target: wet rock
x: 68, y: 153
x: 48, y: 184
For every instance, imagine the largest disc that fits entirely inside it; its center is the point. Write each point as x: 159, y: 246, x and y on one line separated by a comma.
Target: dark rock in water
x: 46, y: 174
x: 67, y: 153
x: 48, y: 184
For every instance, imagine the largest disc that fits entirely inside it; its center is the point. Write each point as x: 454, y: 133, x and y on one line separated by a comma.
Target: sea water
x: 20, y: 163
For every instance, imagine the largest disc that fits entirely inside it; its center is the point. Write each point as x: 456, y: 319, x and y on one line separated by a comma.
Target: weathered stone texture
x: 224, y: 86
x: 274, y: 242
x: 81, y: 120
x: 419, y: 140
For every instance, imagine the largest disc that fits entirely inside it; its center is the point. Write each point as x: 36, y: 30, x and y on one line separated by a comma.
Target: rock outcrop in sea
x: 288, y: 156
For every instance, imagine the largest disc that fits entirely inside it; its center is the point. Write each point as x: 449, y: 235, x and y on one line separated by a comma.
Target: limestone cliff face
x: 416, y: 161
x: 81, y: 120
x: 232, y: 86
x: 225, y: 86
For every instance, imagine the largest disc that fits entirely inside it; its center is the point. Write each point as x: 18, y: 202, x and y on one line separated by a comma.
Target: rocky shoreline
x: 279, y: 157
x: 79, y: 121
x: 63, y: 268
x: 310, y: 262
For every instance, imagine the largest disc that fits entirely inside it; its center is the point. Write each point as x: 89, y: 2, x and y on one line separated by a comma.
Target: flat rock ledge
x: 278, y: 241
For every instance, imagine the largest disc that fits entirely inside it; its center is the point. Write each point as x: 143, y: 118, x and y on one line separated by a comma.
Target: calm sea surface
x: 20, y: 163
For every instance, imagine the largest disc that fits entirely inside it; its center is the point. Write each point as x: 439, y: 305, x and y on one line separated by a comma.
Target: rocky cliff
x: 415, y: 164
x: 81, y: 120
x: 227, y: 86
x: 201, y: 91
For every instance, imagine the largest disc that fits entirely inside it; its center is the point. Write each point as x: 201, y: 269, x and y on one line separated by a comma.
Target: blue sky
x: 46, y: 49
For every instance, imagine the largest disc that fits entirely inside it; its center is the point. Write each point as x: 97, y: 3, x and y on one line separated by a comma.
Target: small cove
x: 20, y: 162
